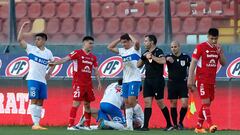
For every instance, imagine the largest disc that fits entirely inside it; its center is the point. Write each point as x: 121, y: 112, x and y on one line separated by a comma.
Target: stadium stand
x: 49, y: 10
x: 116, y: 17
x: 21, y: 9
x: 34, y: 10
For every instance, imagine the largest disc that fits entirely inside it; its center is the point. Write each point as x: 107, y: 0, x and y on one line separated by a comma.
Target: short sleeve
x: 51, y: 56
x: 29, y: 48
x: 73, y: 55
x: 197, y: 52
x: 159, y: 53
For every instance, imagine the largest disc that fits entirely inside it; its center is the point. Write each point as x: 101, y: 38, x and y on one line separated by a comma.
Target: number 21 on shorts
x: 76, y: 93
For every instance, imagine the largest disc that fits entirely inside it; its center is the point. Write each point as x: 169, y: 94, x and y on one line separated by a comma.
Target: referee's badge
x: 182, y: 62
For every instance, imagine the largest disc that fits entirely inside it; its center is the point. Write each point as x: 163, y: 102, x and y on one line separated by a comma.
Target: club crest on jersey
x: 182, y: 62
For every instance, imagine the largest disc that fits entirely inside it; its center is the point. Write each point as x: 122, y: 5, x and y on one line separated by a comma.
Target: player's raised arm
x: 61, y: 61
x: 135, y: 42
x: 20, y: 38
x: 112, y: 46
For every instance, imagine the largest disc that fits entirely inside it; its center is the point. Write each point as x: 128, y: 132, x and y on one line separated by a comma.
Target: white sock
x: 137, y: 110
x: 114, y: 125
x: 35, y: 113
x: 129, y: 117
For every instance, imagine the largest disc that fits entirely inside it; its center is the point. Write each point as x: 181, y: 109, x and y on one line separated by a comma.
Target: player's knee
x: 161, y: 103
x: 173, y: 103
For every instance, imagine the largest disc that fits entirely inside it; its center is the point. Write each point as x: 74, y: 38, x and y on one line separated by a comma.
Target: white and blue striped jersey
x: 130, y: 57
x: 38, y: 62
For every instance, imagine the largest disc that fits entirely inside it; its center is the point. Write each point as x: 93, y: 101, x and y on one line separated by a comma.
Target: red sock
x: 200, y: 118
x: 207, y: 114
x: 87, y: 116
x: 72, y: 116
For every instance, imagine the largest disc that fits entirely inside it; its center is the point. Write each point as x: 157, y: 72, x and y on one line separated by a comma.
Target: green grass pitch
x: 25, y: 130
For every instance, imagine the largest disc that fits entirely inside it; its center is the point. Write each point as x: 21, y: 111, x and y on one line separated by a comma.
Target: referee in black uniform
x: 154, y: 83
x: 178, y: 64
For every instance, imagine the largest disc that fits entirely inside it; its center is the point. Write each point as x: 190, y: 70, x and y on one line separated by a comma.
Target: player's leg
x: 173, y: 97
x: 117, y: 119
x: 159, y: 90
x: 133, y: 90
x: 148, y: 95
x: 75, y: 105
x: 184, y: 101
x: 138, y: 117
x: 204, y: 94
x: 89, y: 97
x: 37, y: 93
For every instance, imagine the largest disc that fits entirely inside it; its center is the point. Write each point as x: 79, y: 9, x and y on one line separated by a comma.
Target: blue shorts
x: 37, y: 90
x: 108, y: 110
x: 131, y: 89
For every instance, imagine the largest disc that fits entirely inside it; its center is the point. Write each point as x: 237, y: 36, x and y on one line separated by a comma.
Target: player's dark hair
x: 87, y: 38
x: 125, y: 37
x: 213, y: 32
x: 120, y: 81
x: 152, y: 38
x: 42, y: 35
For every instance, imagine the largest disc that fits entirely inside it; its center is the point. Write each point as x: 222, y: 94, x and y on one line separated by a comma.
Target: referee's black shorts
x: 177, y: 90
x: 154, y: 87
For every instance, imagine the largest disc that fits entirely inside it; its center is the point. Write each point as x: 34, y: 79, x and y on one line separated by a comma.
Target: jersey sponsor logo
x: 57, y: 68
x: 86, y: 69
x: 212, y: 56
x: 17, y: 67
x: 70, y: 71
x: 212, y: 63
x: 233, y: 70
x: 111, y: 67
x: 38, y: 59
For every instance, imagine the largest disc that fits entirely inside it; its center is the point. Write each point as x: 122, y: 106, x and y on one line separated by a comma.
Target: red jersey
x: 207, y: 57
x: 82, y: 67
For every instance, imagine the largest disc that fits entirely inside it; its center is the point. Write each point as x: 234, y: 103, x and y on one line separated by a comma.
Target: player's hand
x: 52, y: 63
x: 48, y: 76
x: 170, y: 59
x: 191, y: 85
x: 219, y: 49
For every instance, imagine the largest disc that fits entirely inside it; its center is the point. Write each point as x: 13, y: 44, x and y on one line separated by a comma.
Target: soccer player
x: 205, y: 58
x: 154, y: 83
x: 83, y: 64
x: 178, y: 64
x: 109, y: 114
x: 38, y: 56
x: 130, y: 54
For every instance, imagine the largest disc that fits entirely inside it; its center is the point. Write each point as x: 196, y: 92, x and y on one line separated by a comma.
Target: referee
x: 154, y: 83
x: 178, y: 64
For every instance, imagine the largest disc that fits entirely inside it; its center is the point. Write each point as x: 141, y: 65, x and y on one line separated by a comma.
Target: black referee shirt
x: 177, y: 71
x: 153, y: 69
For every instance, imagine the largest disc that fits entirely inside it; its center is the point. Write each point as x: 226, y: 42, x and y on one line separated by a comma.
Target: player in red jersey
x: 83, y: 63
x: 206, y: 57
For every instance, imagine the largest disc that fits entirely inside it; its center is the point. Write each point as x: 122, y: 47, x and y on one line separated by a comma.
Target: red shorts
x: 206, y: 90
x: 83, y: 93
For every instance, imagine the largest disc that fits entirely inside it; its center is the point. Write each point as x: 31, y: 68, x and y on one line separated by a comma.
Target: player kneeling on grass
x: 110, y: 116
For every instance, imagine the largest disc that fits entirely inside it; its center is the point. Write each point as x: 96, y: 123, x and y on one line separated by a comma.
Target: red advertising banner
x: 14, y: 109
